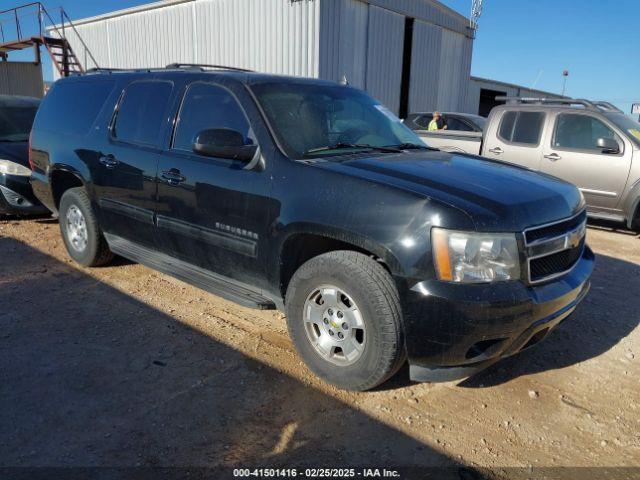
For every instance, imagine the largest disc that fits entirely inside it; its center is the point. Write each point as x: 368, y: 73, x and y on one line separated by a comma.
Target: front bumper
x: 17, y: 198
x: 453, y: 330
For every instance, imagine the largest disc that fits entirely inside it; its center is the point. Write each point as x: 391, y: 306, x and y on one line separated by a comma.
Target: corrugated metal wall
x: 510, y: 90
x: 344, y: 26
x: 455, y: 65
x: 272, y: 36
x: 362, y: 40
x: 384, y: 56
x: 428, y: 10
x: 425, y: 67
x: 21, y: 78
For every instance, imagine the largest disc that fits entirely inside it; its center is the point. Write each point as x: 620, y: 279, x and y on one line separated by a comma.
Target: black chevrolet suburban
x: 313, y: 198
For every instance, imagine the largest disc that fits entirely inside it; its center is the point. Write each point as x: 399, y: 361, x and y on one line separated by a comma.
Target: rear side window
x: 521, y: 127
x: 141, y: 112
x: 71, y: 108
x: 205, y: 107
x: 457, y: 124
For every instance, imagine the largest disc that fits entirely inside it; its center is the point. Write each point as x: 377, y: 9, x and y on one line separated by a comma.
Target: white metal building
x: 410, y: 54
x: 482, y: 93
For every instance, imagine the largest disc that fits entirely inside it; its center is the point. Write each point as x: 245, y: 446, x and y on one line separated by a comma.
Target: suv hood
x: 497, y: 196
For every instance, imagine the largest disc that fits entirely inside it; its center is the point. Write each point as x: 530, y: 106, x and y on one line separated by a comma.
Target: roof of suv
x: 241, y: 76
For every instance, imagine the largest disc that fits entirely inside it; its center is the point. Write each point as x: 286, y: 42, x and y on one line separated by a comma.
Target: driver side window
x: 580, y: 132
x: 208, y: 106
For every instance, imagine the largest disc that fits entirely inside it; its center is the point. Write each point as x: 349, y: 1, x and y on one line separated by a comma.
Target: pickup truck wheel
x: 635, y: 224
x: 344, y: 317
x: 80, y: 231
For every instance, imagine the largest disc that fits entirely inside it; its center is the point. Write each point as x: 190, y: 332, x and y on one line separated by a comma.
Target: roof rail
x: 104, y: 70
x: 561, y: 101
x: 204, y: 66
x: 610, y: 107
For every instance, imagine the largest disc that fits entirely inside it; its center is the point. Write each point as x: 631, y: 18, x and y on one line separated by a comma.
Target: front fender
x: 343, y: 235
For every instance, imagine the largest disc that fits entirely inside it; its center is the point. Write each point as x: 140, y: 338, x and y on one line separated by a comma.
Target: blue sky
x: 526, y: 42
x: 597, y: 41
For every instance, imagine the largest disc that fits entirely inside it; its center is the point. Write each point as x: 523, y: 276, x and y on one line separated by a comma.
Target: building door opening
x: 406, y: 67
x: 488, y: 101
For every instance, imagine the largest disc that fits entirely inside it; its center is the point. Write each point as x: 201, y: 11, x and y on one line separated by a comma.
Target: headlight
x: 12, y: 168
x: 466, y: 257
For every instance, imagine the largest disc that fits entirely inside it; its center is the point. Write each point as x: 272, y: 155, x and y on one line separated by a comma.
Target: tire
x: 77, y: 220
x: 635, y: 224
x: 368, y: 298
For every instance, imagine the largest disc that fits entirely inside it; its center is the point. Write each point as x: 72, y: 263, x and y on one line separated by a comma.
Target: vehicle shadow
x: 610, y: 312
x: 92, y: 377
x: 609, y: 226
x: 43, y: 217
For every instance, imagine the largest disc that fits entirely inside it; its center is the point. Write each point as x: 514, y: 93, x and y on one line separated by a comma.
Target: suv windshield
x: 311, y: 120
x: 15, y: 122
x: 628, y: 125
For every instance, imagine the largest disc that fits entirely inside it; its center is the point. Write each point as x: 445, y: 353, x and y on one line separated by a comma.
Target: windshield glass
x: 309, y: 119
x: 628, y: 125
x: 15, y: 123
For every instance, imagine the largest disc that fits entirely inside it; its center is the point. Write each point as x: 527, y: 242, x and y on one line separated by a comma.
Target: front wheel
x: 344, y: 317
x: 80, y: 231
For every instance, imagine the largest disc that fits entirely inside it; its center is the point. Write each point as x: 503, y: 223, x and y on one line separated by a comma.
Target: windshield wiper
x: 412, y: 146
x: 352, y: 146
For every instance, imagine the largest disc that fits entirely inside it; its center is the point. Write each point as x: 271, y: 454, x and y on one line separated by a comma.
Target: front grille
x: 556, y: 229
x: 543, y: 267
x: 554, y: 249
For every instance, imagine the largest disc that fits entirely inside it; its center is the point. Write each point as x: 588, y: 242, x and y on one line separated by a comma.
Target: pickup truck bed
x: 453, y: 141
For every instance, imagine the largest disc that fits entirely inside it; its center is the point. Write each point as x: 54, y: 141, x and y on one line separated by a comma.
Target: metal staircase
x: 31, y: 26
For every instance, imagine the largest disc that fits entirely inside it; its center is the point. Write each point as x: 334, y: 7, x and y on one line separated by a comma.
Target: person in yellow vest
x: 437, y: 123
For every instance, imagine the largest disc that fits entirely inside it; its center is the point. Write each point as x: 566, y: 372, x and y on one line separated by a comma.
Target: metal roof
x: 513, y: 85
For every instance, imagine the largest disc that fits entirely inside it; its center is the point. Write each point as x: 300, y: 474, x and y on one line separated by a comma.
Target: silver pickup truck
x: 591, y: 144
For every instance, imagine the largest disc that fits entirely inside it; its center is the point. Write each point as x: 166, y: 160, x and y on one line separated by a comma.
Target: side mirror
x: 224, y: 143
x: 608, y: 145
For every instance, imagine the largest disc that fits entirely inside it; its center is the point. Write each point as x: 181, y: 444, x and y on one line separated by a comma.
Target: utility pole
x: 476, y: 11
x: 565, y: 74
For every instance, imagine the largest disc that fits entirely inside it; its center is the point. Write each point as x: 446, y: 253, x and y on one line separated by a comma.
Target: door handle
x: 554, y: 157
x: 496, y: 150
x: 108, y: 161
x: 173, y: 176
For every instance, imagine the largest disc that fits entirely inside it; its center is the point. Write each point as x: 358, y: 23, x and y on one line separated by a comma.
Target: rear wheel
x: 344, y: 317
x: 80, y: 231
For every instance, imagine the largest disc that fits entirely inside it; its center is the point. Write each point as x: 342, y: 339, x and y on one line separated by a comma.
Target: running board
x: 198, y: 277
x: 606, y: 216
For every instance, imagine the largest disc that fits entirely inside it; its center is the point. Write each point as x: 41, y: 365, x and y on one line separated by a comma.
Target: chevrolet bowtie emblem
x: 574, y: 238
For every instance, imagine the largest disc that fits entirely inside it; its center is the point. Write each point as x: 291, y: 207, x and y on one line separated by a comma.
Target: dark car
x: 313, y: 198
x: 16, y: 117
x: 458, y: 122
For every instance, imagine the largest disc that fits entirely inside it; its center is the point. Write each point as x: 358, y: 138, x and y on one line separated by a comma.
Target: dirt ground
x: 123, y: 366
